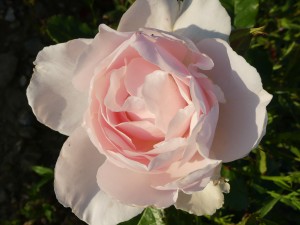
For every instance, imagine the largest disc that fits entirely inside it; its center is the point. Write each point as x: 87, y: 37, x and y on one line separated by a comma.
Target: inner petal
x: 143, y: 134
x: 162, y: 97
x: 137, y: 70
x: 117, y: 93
x: 136, y: 109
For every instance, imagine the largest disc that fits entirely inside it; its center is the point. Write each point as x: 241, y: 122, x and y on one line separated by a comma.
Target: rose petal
x: 168, y: 152
x: 136, y: 72
x: 242, y: 119
x: 136, y: 109
x: 143, y: 134
x: 117, y: 93
x: 201, y: 134
x: 107, y: 40
x: 158, y: 84
x: 201, y: 19
x: 129, y: 187
x: 54, y: 100
x: 147, y: 47
x: 160, y: 14
x: 76, y: 186
x: 190, y: 176
x: 179, y: 125
x: 204, y: 202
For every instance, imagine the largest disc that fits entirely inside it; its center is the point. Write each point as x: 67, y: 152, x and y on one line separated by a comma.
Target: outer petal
x: 201, y: 19
x: 242, y: 119
x: 204, y: 202
x: 160, y: 14
x: 76, y: 186
x: 53, y: 99
x: 133, y: 187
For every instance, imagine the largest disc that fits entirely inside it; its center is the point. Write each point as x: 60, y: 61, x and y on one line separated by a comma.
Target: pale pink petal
x: 133, y: 188
x: 199, y: 97
x: 54, y: 100
x: 205, y: 131
x: 201, y: 19
x: 76, y: 185
x: 103, y: 45
x: 204, y: 202
x: 179, y: 125
x: 158, y: 84
x: 191, y: 176
x: 136, y: 109
x: 201, y: 134
x: 143, y: 134
x: 167, y: 153
x: 160, y: 14
x: 136, y: 72
x: 147, y: 47
x: 242, y: 119
x: 184, y: 88
x: 117, y: 93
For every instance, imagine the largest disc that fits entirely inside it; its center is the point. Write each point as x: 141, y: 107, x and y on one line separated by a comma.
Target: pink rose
x: 152, y: 110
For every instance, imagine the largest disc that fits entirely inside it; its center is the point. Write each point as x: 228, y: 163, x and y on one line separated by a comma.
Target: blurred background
x: 265, y: 186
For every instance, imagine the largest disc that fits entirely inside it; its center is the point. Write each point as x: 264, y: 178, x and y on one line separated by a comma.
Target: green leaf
x: 152, y: 216
x: 249, y: 220
x: 268, y: 207
x: 262, y: 162
x: 61, y: 29
x: 292, y: 199
x: 43, y: 171
x: 245, y: 12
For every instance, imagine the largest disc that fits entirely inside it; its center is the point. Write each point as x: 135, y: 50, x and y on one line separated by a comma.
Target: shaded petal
x: 242, y: 119
x: 160, y: 14
x: 201, y: 19
x: 53, y: 98
x: 130, y: 187
x: 76, y: 186
x: 204, y: 202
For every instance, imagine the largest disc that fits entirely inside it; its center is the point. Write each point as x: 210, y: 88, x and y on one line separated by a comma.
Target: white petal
x: 159, y: 14
x: 242, y: 119
x: 201, y: 19
x: 53, y: 98
x: 204, y: 202
x: 76, y: 186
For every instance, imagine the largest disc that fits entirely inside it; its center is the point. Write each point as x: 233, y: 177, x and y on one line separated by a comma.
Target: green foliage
x: 245, y: 13
x: 64, y: 28
x: 152, y: 216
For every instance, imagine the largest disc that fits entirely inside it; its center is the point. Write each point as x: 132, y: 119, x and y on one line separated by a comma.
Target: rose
x: 151, y: 112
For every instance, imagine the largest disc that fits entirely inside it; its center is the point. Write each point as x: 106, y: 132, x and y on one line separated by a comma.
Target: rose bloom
x: 152, y: 110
